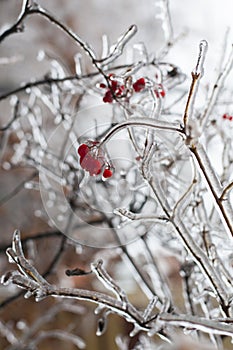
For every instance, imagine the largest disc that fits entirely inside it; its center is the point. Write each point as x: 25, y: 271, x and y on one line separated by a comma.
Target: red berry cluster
x: 119, y: 90
x: 227, y: 116
x: 116, y: 89
x: 93, y: 161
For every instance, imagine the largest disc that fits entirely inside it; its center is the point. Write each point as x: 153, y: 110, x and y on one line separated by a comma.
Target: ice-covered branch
x: 196, y: 75
x: 29, y: 279
x: 143, y: 123
x: 17, y: 26
x: 213, y: 184
x: 223, y: 74
x: 197, y: 323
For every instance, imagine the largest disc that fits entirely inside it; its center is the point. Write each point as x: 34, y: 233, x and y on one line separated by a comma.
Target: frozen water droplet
x: 50, y: 203
x: 135, y: 330
x: 40, y: 55
x: 79, y: 249
x: 21, y: 325
x: 28, y: 185
x: 6, y: 166
x: 60, y: 217
x: 13, y: 100
x: 38, y: 213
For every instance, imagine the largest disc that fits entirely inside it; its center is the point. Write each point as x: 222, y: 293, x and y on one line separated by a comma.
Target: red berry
x: 162, y: 93
x: 85, y: 161
x: 83, y: 150
x: 139, y: 85
x: 91, y: 164
x: 225, y: 116
x: 93, y: 159
x: 120, y: 90
x: 107, y: 173
x: 114, y: 85
x: 108, y: 97
x: 230, y: 118
x: 156, y: 93
x: 94, y: 167
x: 102, y: 86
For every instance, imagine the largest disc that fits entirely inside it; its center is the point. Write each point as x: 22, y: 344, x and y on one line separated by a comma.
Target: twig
x: 29, y: 278
x: 227, y: 189
x: 216, y: 89
x: 15, y: 27
x: 144, y: 123
x: 196, y: 75
x: 204, y: 165
x: 198, y: 323
x: 15, y: 116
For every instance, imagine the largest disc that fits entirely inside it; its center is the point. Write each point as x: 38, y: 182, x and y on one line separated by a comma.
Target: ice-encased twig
x: 196, y: 76
x: 28, y: 278
x: 196, y: 322
x: 107, y: 280
x: 218, y: 85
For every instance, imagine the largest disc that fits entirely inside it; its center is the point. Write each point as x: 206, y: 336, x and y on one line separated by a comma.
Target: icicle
x: 102, y: 325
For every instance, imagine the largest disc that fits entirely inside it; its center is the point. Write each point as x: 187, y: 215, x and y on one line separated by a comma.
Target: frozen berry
x: 139, y: 85
x: 102, y: 86
x: 83, y: 150
x: 94, y: 167
x: 114, y: 85
x: 108, y: 97
x: 162, y: 93
x: 107, y: 173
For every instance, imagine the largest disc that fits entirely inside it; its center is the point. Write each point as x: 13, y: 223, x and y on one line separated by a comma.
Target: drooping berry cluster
x: 227, y: 117
x: 92, y: 159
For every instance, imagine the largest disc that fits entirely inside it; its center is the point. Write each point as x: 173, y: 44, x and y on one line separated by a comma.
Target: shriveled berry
x: 107, y: 173
x: 139, y: 85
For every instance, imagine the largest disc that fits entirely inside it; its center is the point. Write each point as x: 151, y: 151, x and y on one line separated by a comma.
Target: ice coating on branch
x: 171, y: 221
x: 203, y: 47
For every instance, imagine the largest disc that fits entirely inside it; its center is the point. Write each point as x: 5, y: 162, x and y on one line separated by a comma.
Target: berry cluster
x: 227, y: 116
x: 92, y: 159
x: 119, y: 90
x: 116, y: 88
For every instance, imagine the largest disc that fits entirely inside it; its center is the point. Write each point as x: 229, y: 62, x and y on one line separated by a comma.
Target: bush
x: 127, y: 166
